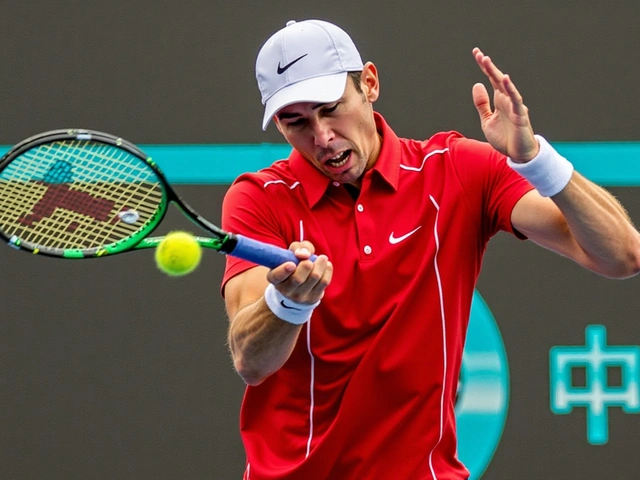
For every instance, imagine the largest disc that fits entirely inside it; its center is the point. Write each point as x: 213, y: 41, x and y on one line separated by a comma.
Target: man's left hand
x: 507, y: 128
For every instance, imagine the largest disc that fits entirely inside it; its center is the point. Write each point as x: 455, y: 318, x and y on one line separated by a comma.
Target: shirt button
x: 360, y: 207
x: 367, y: 249
x: 336, y: 184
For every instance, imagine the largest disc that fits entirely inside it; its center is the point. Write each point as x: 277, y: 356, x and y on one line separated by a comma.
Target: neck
x: 375, y: 152
x: 373, y: 158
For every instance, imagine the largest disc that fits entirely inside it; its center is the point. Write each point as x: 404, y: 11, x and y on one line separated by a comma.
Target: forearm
x: 267, y: 309
x: 260, y: 342
x: 601, y: 227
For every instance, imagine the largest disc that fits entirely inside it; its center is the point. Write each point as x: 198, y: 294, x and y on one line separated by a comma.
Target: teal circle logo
x: 483, y: 390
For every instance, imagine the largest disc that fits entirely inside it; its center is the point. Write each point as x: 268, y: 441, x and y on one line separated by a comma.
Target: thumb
x: 303, y: 249
x: 481, y: 101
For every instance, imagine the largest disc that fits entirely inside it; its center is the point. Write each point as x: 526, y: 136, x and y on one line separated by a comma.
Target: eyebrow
x: 285, y: 115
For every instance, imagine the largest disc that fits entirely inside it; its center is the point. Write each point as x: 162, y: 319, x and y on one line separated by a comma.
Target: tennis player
x: 352, y: 361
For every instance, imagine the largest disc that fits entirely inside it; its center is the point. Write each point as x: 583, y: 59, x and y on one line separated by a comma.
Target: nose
x: 322, y: 134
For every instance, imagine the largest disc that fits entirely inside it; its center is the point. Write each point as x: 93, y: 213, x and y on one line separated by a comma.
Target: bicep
x: 244, y: 289
x: 540, y: 220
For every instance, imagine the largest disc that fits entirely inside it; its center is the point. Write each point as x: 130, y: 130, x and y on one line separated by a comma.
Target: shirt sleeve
x: 487, y: 179
x: 247, y: 210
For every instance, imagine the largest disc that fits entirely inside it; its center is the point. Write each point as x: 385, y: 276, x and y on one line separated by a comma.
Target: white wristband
x: 549, y: 172
x: 286, y: 309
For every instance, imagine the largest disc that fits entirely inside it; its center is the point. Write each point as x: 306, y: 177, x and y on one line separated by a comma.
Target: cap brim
x: 325, y: 89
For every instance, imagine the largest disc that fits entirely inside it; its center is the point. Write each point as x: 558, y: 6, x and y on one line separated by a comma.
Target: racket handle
x: 263, y: 253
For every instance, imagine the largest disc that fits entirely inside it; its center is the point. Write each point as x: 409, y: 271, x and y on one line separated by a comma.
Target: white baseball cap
x: 305, y: 61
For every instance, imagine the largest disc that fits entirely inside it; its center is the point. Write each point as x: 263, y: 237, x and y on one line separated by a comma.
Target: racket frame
x: 223, y: 241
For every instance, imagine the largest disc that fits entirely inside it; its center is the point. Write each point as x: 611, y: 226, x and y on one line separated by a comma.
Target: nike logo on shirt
x: 393, y: 240
x: 281, y: 70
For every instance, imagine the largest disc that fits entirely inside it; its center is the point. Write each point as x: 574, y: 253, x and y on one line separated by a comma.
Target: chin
x: 351, y: 175
x: 345, y: 178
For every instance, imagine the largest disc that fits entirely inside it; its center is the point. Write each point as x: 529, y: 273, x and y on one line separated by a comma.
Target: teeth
x: 339, y: 160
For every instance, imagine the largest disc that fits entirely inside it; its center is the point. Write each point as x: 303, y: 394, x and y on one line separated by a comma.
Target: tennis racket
x: 87, y: 194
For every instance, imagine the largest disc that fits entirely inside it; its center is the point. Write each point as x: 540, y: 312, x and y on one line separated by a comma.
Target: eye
x: 296, y: 123
x: 332, y: 108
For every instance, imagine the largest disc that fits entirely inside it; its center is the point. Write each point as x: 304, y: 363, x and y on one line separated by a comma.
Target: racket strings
x: 145, y: 205
x: 77, y: 194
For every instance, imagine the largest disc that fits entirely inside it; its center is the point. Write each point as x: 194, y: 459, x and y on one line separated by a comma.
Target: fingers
x: 500, y: 81
x: 303, y: 250
x: 306, y: 281
x: 488, y: 68
x: 481, y: 101
x: 516, y: 99
x: 310, y: 279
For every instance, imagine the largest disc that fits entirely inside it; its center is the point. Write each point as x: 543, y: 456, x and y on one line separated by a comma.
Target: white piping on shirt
x: 444, y: 335
x: 272, y: 182
x: 312, y: 373
x: 311, y: 396
x: 424, y: 160
x: 301, y: 231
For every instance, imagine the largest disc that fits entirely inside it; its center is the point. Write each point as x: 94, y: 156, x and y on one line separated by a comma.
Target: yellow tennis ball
x: 178, y: 254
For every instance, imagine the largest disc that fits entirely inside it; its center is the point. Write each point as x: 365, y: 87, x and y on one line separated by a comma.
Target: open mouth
x: 339, y: 160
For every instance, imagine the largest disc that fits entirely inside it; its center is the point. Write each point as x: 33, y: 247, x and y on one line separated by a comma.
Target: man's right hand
x: 259, y: 341
x: 305, y: 282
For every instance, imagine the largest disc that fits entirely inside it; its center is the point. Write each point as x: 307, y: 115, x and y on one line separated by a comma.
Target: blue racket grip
x: 263, y: 253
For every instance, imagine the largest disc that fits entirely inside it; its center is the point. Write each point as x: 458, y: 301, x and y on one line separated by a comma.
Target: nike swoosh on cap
x: 281, y: 70
x: 393, y: 240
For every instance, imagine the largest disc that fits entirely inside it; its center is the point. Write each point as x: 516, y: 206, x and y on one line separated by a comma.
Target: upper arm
x: 540, y: 220
x: 244, y: 289
x: 490, y: 187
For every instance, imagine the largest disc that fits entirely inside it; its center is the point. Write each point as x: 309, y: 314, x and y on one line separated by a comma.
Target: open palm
x: 507, y: 128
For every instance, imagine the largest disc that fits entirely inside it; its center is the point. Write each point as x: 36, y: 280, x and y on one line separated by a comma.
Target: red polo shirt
x: 369, y: 390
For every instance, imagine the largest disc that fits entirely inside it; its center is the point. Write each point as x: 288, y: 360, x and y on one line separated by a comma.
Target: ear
x: 370, y: 82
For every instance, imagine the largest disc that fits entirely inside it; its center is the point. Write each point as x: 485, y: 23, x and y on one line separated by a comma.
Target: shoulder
x: 461, y: 150
x: 448, y: 147
x: 268, y: 181
x: 278, y: 172
x: 454, y: 143
x: 269, y: 192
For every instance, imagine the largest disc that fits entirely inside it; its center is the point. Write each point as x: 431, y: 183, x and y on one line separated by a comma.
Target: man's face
x: 339, y: 138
